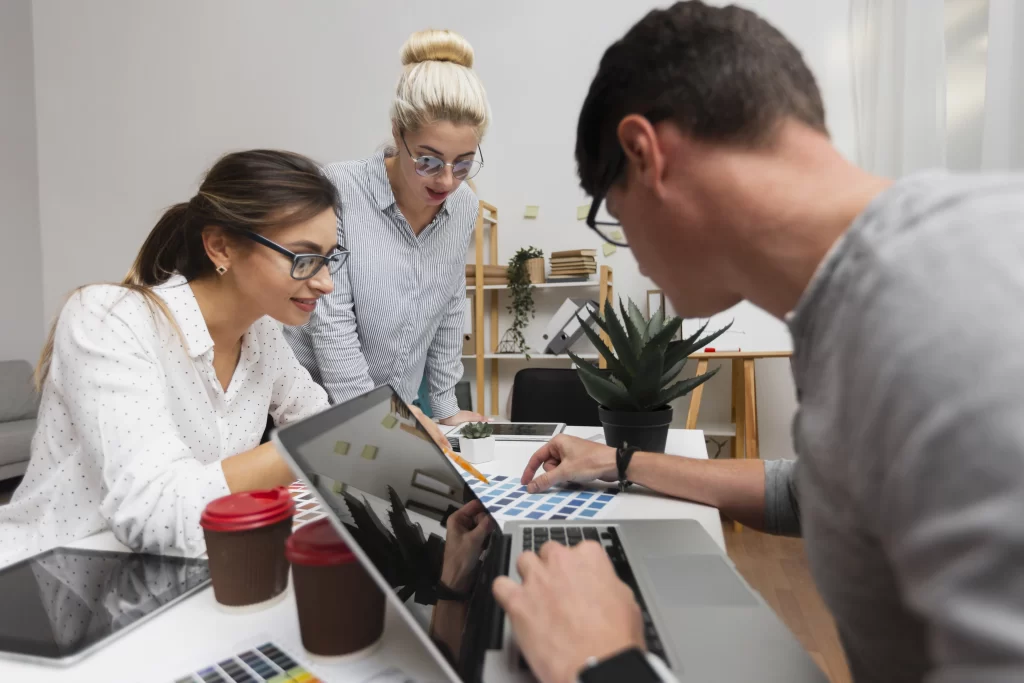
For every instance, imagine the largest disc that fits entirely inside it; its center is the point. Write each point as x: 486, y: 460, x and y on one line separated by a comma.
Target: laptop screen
x: 378, y: 470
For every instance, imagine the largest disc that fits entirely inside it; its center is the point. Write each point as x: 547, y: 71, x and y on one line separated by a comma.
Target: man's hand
x: 571, y: 606
x: 463, y: 416
x: 568, y: 458
x: 467, y: 529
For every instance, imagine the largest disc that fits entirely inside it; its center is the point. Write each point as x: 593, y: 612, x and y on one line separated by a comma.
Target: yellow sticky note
x: 608, y: 249
x: 341, y: 448
x: 531, y: 212
x: 389, y: 421
x: 616, y: 235
x: 582, y: 212
x: 338, y: 487
x: 369, y: 452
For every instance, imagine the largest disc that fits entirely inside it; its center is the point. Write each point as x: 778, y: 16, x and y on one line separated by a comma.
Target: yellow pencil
x: 465, y: 465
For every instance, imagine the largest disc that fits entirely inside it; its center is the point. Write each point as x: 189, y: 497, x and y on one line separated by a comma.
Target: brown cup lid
x: 248, y: 510
x: 318, y: 544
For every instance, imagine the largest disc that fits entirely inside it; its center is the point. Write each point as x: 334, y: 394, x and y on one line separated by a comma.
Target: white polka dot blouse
x: 133, y: 422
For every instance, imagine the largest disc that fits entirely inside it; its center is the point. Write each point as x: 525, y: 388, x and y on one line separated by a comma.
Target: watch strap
x: 632, y: 665
x: 623, y: 456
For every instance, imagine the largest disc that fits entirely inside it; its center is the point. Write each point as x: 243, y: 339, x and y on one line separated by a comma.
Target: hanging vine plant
x: 521, y: 300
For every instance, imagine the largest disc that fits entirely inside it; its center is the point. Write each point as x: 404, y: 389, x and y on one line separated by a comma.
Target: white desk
x: 197, y: 632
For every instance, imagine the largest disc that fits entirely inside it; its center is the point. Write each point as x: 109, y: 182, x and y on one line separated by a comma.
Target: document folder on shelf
x: 564, y: 329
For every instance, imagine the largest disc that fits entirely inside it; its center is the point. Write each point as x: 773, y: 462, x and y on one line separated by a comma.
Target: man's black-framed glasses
x: 304, y: 266
x: 430, y: 166
x: 610, y: 231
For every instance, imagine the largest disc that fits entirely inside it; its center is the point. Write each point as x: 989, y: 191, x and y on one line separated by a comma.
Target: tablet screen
x: 523, y: 429
x: 60, y: 603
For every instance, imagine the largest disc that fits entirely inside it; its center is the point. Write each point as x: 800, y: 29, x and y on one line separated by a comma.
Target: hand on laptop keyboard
x: 534, y: 538
x: 570, y: 606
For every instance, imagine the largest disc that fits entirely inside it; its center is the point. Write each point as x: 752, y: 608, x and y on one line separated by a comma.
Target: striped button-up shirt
x: 398, y: 303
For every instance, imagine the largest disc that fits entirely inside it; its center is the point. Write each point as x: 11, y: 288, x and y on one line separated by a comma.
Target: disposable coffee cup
x: 341, y: 609
x: 245, y: 541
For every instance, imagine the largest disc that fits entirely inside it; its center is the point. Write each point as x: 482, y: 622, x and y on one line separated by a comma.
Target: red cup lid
x: 248, y: 510
x: 317, y: 544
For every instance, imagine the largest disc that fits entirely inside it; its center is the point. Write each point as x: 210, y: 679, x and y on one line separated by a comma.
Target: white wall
x: 21, y: 282
x: 136, y: 99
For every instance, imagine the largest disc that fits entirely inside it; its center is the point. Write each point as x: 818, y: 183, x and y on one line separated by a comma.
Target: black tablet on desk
x: 520, y: 431
x: 57, y: 607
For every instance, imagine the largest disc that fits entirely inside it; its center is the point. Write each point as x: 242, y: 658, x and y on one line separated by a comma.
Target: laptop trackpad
x: 696, y: 581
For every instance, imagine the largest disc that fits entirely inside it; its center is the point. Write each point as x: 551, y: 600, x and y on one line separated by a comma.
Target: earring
x: 221, y: 270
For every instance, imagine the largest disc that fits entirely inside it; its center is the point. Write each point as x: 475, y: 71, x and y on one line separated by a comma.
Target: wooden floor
x: 777, y: 568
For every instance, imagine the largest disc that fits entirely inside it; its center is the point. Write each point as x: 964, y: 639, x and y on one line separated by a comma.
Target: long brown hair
x: 253, y: 190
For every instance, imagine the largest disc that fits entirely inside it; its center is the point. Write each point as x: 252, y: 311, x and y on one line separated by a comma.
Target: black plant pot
x: 644, y: 431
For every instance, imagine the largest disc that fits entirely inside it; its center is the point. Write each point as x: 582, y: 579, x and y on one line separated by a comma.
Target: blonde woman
x: 407, y: 216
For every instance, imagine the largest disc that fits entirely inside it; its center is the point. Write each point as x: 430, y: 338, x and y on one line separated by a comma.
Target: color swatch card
x: 264, y: 664
x: 307, y: 508
x: 506, y: 498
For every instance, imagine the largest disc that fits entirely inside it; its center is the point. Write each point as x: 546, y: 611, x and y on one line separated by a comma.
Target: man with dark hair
x: 704, y: 134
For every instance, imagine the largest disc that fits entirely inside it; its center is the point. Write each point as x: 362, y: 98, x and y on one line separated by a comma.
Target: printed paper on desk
x: 390, y: 675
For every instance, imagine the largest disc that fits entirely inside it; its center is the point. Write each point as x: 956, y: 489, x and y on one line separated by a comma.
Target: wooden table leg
x: 695, y: 396
x: 750, y: 448
x: 738, y: 442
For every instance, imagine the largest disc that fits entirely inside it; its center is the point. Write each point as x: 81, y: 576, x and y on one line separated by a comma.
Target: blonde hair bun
x: 438, y: 84
x: 437, y: 46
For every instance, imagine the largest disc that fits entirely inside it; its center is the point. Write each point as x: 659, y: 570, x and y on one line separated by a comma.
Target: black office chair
x: 464, y: 395
x: 552, y: 395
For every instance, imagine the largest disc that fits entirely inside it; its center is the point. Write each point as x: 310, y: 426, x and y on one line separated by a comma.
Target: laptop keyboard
x: 536, y: 536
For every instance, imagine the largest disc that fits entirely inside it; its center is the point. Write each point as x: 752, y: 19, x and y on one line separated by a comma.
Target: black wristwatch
x: 629, y: 665
x: 623, y: 456
x: 443, y: 592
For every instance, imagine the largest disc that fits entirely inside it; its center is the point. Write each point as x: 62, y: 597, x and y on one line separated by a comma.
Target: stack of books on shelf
x: 576, y: 265
x: 493, y: 275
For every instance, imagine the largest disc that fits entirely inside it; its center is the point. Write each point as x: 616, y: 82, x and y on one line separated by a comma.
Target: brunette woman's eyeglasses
x: 304, y: 266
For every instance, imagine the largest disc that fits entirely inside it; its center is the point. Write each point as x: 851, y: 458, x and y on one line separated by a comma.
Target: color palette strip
x: 267, y: 663
x: 505, y: 497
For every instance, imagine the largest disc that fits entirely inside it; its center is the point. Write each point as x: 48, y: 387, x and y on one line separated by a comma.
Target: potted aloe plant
x: 635, y: 390
x: 476, y: 442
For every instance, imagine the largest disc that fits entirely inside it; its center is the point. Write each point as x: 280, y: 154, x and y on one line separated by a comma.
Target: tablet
x: 520, y: 431
x: 57, y: 607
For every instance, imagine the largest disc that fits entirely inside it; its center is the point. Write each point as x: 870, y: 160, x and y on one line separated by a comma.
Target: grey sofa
x: 19, y: 404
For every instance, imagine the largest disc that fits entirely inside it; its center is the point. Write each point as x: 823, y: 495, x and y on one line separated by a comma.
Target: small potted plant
x: 476, y: 442
x: 634, y: 392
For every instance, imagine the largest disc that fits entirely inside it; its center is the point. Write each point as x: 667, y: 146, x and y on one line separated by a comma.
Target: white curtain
x: 1002, y: 137
x: 899, y: 81
x: 938, y: 83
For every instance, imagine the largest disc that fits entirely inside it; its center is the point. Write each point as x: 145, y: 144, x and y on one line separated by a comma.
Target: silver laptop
x: 389, y: 490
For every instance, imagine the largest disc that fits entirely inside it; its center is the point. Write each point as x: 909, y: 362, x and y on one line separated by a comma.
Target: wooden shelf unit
x: 485, y: 309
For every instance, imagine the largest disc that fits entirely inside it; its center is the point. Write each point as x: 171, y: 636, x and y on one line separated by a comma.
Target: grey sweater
x: 909, y: 367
